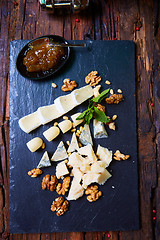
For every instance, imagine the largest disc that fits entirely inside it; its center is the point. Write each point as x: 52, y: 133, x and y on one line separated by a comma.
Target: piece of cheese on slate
x: 88, y: 151
x: 44, y: 162
x: 48, y: 113
x: 104, y: 155
x: 76, y: 122
x: 51, y: 133
x: 29, y: 122
x: 77, y: 173
x: 65, y: 125
x: 34, y: 144
x: 60, y: 153
x: 75, y: 160
x: 89, y: 178
x: 99, y: 129
x: 85, y: 137
x: 76, y: 190
x: 97, y: 167
x: 85, y: 167
x: 74, y: 144
x: 103, y: 177
x: 64, y: 103
x: 61, y: 169
x: 82, y: 94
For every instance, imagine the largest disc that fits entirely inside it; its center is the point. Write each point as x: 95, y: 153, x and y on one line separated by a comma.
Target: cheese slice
x: 29, y: 122
x: 64, y: 103
x: 74, y: 144
x: 104, y: 155
x: 89, y: 178
x: 82, y: 94
x: 88, y: 151
x: 99, y: 129
x: 76, y: 122
x: 85, y: 137
x: 61, y: 169
x: 97, y: 167
x: 103, y: 177
x: 60, y: 153
x: 48, y: 113
x: 44, y: 162
x: 76, y: 190
x: 77, y: 173
x: 75, y: 160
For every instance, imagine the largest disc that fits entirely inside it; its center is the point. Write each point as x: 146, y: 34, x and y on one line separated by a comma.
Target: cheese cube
x: 29, y: 122
x: 76, y: 190
x: 51, y: 133
x: 34, y: 144
x: 76, y: 122
x: 61, y: 169
x: 48, y: 113
x: 65, y: 125
x: 104, y: 155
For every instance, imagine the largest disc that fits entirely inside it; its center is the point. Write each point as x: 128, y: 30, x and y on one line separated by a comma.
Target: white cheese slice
x: 74, y: 144
x: 51, y: 133
x: 85, y: 137
x: 44, y: 162
x: 97, y: 167
x: 76, y: 190
x: 61, y: 169
x: 89, y: 178
x: 88, y: 151
x: 104, y: 155
x: 76, y: 122
x: 65, y: 125
x: 75, y: 160
x: 64, y: 103
x: 85, y: 167
x: 29, y: 122
x: 48, y: 113
x: 82, y: 94
x: 99, y: 129
x: 34, y: 144
x: 60, y: 153
x: 76, y: 172
x: 103, y: 177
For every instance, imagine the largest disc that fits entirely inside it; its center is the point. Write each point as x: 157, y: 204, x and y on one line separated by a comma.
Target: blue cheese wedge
x: 85, y: 137
x: 104, y: 155
x: 60, y: 153
x: 44, y: 162
x: 99, y: 129
x: 74, y: 144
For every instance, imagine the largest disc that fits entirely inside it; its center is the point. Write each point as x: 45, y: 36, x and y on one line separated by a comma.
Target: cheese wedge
x: 48, y: 113
x: 82, y: 94
x: 97, y: 167
x: 85, y: 137
x: 74, y: 144
x: 103, y: 177
x: 104, y: 155
x: 99, y: 129
x: 61, y: 169
x: 44, y: 162
x: 76, y: 122
x: 60, y: 153
x: 29, y: 122
x: 75, y: 160
x: 89, y: 178
x: 76, y: 190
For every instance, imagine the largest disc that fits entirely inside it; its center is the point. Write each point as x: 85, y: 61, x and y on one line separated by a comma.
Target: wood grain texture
x: 104, y: 20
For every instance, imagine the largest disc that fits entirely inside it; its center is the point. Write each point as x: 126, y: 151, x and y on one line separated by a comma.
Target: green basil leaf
x: 89, y: 116
x: 100, y: 116
x: 82, y: 115
x: 101, y: 96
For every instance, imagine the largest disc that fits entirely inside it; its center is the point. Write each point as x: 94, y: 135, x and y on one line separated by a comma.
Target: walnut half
x: 94, y: 193
x: 120, y: 156
x: 35, y: 172
x: 114, y: 99
x: 62, y: 188
x: 60, y: 206
x: 92, y: 78
x: 68, y: 85
x: 49, y: 182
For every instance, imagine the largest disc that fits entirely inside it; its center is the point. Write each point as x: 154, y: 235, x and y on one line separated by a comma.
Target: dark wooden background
x: 108, y: 20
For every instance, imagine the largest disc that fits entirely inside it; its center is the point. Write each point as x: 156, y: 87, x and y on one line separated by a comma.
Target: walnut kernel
x: 68, y: 85
x: 49, y: 182
x: 112, y: 126
x: 120, y: 156
x: 100, y: 107
x: 60, y: 206
x: 94, y: 193
x: 63, y: 188
x: 115, y: 98
x: 35, y: 172
x: 92, y: 78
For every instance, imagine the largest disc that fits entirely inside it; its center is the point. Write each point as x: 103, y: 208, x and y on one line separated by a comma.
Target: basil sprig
x: 92, y: 110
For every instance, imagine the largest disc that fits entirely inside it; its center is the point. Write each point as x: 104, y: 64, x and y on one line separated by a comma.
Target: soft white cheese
x: 29, y: 122
x: 64, y: 103
x: 76, y: 122
x: 82, y: 94
x: 48, y: 113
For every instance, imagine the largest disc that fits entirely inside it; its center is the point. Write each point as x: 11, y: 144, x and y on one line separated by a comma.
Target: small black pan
x: 42, y: 74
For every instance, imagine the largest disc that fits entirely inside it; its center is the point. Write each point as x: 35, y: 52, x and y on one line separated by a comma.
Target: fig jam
x: 42, y: 56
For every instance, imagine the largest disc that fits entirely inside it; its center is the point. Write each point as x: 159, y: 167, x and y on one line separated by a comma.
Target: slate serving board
x: 118, y: 208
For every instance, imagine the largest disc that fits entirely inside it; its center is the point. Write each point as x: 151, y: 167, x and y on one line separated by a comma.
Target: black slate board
x: 118, y: 208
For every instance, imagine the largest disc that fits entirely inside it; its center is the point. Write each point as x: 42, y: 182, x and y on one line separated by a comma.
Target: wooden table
x: 107, y: 20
